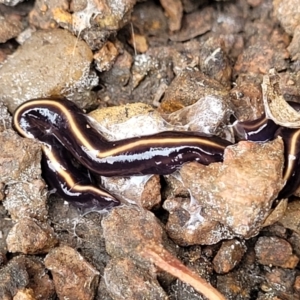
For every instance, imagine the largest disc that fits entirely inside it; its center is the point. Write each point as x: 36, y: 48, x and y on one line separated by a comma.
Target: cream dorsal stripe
x: 72, y: 182
x: 160, y: 153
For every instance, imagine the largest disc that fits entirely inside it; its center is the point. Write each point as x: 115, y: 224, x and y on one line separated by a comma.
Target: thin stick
x: 167, y: 262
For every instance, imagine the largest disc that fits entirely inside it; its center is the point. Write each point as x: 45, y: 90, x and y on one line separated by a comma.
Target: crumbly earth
x: 165, y: 65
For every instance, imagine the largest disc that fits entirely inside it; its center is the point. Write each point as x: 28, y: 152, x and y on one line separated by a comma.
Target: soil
x: 149, y: 66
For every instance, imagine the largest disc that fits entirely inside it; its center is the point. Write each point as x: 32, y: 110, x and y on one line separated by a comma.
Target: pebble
x: 29, y: 236
x: 275, y: 251
x: 228, y: 256
x: 49, y: 63
x: 236, y: 201
x: 73, y: 276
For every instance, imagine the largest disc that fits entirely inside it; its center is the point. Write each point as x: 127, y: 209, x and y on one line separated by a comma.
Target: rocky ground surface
x: 139, y: 68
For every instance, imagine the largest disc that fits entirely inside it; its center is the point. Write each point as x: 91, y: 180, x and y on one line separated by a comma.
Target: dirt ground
x: 138, y: 68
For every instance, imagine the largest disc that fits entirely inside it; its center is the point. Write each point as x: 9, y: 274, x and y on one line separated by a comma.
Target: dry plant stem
x: 167, y: 262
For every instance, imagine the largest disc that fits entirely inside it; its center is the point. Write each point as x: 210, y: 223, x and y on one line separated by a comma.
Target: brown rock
x: 10, y: 27
x: 228, y: 256
x: 190, y: 86
x: 26, y: 294
x: 106, y: 56
x: 30, y: 237
x: 276, y: 213
x: 39, y: 280
x: 194, y: 24
x: 275, y: 251
x: 125, y: 280
x: 43, y: 14
x: 247, y: 99
x: 139, y: 43
x: 13, y: 277
x: 151, y: 196
x: 174, y: 187
x: 174, y: 11
x: 280, y: 282
x: 287, y: 13
x: 126, y: 229
x: 187, y: 226
x: 20, y: 170
x: 297, y: 284
x: 214, y: 61
x: 260, y: 58
x: 293, y: 48
x: 231, y: 193
x: 74, y: 278
x: 294, y: 240
x: 66, y: 71
x: 291, y: 218
x: 25, y: 277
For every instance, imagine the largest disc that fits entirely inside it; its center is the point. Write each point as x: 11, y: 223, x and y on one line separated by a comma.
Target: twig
x: 167, y: 262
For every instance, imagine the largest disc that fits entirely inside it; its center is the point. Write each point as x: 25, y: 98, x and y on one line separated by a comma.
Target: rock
x: 25, y: 278
x: 26, y: 294
x: 186, y: 226
x: 189, y: 87
x: 20, y: 170
x: 174, y: 11
x: 13, y: 277
x: 231, y: 193
x: 228, y: 256
x: 280, y: 282
x: 291, y: 218
x: 30, y: 237
x: 287, y: 12
x: 275, y: 251
x: 126, y: 229
x: 197, y: 23
x: 260, y: 58
x: 27, y: 74
x: 10, y: 26
x: 73, y: 276
x: 124, y: 280
x: 293, y: 47
x: 106, y: 57
x: 246, y: 97
x: 297, y: 284
x: 214, y: 61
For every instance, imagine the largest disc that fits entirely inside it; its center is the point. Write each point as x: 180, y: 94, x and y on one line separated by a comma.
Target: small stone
x: 106, y: 57
x: 125, y: 280
x: 10, y: 27
x: 174, y: 11
x: 297, y: 284
x: 125, y: 229
x: 187, y: 226
x: 20, y: 170
x: 30, y: 237
x: 139, y: 43
x: 13, y: 278
x: 73, y: 276
x: 189, y: 87
x: 287, y: 12
x: 228, y: 256
x: 280, y: 281
x: 291, y: 218
x: 27, y: 74
x: 276, y: 252
x: 231, y: 193
x: 25, y: 294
